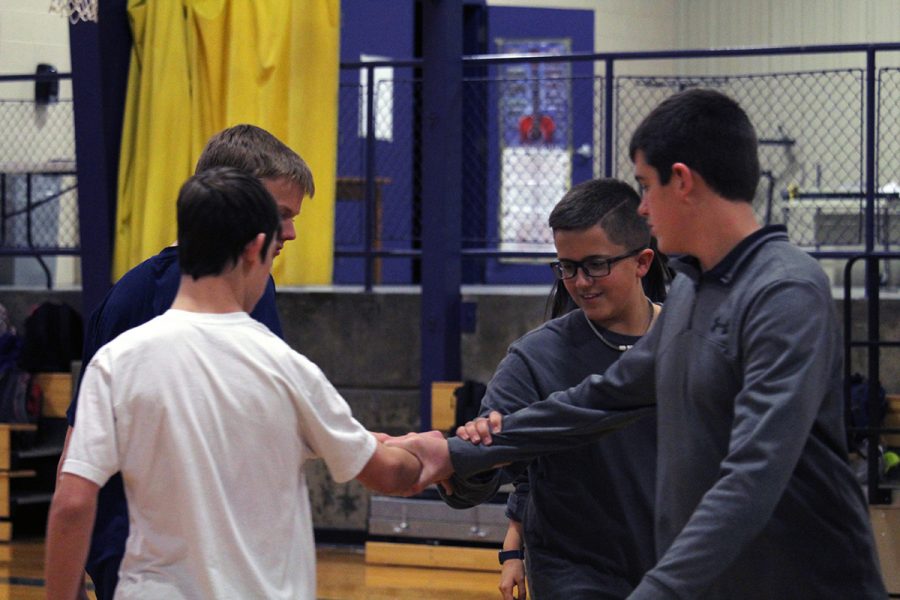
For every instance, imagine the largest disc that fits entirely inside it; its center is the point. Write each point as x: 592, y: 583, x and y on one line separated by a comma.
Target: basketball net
x: 76, y: 10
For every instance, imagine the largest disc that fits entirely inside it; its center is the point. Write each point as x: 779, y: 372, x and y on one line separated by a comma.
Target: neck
x: 651, y: 315
x: 211, y: 294
x: 635, y: 319
x: 725, y: 224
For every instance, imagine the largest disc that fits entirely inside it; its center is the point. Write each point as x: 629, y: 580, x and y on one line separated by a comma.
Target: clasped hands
x: 433, y: 452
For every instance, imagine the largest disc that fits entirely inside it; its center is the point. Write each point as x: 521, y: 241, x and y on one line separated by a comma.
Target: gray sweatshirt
x: 754, y: 495
x: 587, y: 512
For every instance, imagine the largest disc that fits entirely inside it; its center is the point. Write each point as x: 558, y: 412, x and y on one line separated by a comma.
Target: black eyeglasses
x: 593, y: 266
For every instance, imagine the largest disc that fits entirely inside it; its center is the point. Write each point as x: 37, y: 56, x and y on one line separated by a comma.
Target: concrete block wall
x: 368, y: 347
x: 367, y: 344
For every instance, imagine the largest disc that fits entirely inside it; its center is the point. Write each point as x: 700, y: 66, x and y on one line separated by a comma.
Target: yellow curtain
x: 199, y: 66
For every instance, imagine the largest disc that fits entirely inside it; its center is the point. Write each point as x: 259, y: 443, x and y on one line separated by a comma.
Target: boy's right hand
x: 431, y: 449
x: 512, y: 580
x: 479, y: 430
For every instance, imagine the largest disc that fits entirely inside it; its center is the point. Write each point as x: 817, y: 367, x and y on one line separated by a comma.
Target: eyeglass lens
x: 592, y: 266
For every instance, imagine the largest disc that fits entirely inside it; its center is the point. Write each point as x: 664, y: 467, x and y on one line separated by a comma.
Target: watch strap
x: 505, y: 555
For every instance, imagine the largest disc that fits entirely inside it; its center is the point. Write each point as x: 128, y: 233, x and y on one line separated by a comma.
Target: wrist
x: 505, y: 555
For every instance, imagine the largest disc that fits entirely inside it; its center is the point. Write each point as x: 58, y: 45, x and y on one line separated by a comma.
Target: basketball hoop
x: 76, y: 10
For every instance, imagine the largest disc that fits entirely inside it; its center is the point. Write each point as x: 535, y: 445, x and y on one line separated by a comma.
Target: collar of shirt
x: 727, y: 268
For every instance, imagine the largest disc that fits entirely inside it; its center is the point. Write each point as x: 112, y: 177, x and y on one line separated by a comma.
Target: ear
x: 644, y: 260
x: 252, y: 250
x: 683, y: 177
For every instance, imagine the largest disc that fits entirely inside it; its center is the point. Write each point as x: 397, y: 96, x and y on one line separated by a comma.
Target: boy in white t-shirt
x: 210, y: 418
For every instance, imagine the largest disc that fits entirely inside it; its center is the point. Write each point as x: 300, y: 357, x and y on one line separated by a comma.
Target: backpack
x: 54, y: 336
x: 858, y: 411
x: 19, y: 401
x: 468, y: 401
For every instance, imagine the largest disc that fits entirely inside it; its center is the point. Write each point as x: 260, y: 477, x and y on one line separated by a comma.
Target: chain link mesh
x: 349, y: 216
x: 396, y: 177
x: 811, y: 127
x: 39, y: 209
x: 888, y: 161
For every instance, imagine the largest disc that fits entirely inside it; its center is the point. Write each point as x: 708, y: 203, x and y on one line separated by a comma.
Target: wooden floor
x: 342, y: 575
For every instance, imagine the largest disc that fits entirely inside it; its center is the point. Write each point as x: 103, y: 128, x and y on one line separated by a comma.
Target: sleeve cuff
x: 468, y: 459
x: 352, y: 470
x: 472, y: 491
x: 86, y: 471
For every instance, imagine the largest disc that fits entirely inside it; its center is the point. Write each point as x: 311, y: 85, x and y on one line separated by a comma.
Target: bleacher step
x: 29, y: 499
x: 40, y: 451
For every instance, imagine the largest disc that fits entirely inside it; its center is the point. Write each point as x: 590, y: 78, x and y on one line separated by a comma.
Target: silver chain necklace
x: 609, y: 344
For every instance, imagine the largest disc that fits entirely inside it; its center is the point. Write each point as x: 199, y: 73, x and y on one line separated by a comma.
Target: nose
x: 287, y: 230
x: 582, y: 279
x: 642, y: 207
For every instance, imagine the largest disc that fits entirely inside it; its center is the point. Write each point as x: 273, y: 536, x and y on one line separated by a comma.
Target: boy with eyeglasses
x: 609, y: 283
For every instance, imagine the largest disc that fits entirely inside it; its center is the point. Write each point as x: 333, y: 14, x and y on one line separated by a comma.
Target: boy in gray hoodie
x: 754, y: 495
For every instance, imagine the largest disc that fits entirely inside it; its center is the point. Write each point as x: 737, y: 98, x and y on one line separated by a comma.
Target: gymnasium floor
x: 342, y: 575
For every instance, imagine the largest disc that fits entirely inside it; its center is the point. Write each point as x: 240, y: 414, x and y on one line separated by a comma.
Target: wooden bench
x: 16, y: 461
x: 57, y: 388
x: 7, y: 433
x: 443, y: 404
x: 892, y: 419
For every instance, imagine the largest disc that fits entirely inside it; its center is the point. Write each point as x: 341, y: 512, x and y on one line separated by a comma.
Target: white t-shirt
x: 210, y: 418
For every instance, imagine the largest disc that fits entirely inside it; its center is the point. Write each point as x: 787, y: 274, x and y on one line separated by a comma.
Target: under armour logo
x: 719, y: 326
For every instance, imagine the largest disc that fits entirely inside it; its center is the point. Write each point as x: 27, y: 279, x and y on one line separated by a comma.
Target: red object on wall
x: 536, y: 128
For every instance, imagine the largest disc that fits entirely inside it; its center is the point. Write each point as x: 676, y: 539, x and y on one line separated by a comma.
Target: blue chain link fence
x: 888, y: 157
x: 810, y: 127
x: 38, y: 185
x: 534, y: 127
x: 531, y: 129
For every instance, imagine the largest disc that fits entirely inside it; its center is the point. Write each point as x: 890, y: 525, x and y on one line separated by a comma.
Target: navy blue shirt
x: 143, y: 293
